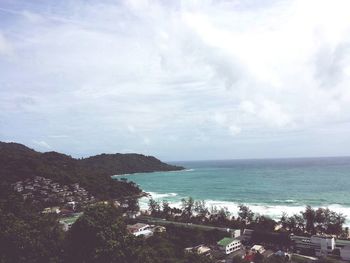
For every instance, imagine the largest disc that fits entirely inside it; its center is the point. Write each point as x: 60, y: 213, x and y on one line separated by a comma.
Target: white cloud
x: 247, y: 107
x: 131, y: 128
x: 42, y: 144
x: 234, y: 130
x: 114, y: 74
x: 273, y: 114
x: 58, y: 136
x: 5, y: 46
x: 146, y: 141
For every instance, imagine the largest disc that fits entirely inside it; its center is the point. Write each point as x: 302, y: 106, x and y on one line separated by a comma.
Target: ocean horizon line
x: 258, y: 159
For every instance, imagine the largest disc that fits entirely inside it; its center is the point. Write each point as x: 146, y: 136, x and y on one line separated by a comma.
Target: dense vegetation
x: 18, y: 162
x: 98, y: 236
x: 25, y: 234
x: 308, y: 222
x: 126, y: 164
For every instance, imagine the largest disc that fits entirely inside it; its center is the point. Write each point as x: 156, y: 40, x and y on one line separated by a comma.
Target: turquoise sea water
x: 267, y: 186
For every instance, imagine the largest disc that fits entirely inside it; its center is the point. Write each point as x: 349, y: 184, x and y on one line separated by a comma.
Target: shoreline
x: 272, y: 210
x: 136, y: 173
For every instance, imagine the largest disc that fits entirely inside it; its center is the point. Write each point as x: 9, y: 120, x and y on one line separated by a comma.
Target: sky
x: 180, y: 80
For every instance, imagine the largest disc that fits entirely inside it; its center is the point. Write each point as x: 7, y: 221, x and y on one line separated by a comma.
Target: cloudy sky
x: 181, y: 80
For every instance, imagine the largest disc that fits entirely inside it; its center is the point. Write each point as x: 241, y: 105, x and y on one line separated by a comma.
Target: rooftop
x: 342, y: 242
x: 138, y: 225
x: 202, y: 249
x: 225, y: 241
x: 144, y: 232
x: 257, y: 247
x: 70, y: 220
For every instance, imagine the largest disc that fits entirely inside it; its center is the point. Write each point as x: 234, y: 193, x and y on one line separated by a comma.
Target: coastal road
x: 163, y: 222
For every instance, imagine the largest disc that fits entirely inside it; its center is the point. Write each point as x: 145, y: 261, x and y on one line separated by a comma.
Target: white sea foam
x: 119, y: 175
x: 160, y: 196
x: 274, y: 211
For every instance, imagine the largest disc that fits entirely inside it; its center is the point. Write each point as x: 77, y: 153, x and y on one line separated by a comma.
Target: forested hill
x: 126, y: 164
x: 18, y: 162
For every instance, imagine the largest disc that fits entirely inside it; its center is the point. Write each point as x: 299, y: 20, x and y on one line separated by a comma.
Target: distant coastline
x: 18, y: 163
x: 140, y: 173
x: 268, y: 186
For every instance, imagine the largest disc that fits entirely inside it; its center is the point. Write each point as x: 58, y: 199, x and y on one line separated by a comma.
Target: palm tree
x: 309, y: 216
x: 283, y: 220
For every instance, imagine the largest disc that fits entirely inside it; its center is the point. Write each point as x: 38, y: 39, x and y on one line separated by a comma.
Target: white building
x: 258, y: 248
x: 345, y: 253
x: 229, y: 245
x: 322, y: 245
x: 146, y: 233
x: 344, y: 248
x: 236, y: 233
x: 200, y: 250
x: 139, y: 227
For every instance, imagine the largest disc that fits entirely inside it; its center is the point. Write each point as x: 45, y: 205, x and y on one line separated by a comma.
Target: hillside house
x: 229, y: 245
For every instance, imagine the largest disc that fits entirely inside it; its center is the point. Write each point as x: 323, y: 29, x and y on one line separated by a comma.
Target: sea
x: 268, y: 186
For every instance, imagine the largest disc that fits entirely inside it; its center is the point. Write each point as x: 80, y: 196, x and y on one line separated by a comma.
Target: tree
x: 321, y: 216
x: 133, y: 204
x: 291, y: 224
x: 166, y: 208
x: 194, y: 258
x: 265, y: 223
x: 223, y: 215
x: 335, y: 225
x: 345, y: 233
x: 201, y: 209
x: 245, y: 214
x: 187, y: 207
x: 283, y: 220
x: 300, y: 223
x: 238, y: 259
x: 25, y: 234
x: 309, y: 216
x: 153, y: 207
x: 99, y: 235
x: 213, y: 210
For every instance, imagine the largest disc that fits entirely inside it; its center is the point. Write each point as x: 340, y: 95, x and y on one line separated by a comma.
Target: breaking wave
x: 274, y: 211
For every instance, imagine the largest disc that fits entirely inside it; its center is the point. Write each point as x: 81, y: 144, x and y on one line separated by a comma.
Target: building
x: 344, y: 248
x: 235, y: 233
x: 200, y: 250
x: 45, y: 190
x: 247, y: 235
x: 18, y: 187
x: 159, y: 229
x: 145, y: 233
x: 258, y: 248
x: 341, y: 243
x: 138, y: 227
x: 324, y: 245
x: 51, y: 210
x: 320, y: 245
x: 69, y: 221
x: 345, y: 253
x: 229, y: 245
